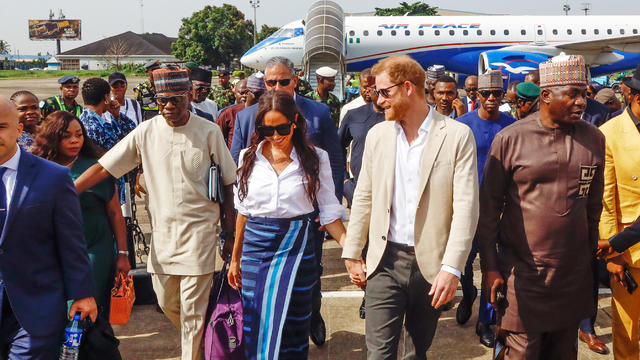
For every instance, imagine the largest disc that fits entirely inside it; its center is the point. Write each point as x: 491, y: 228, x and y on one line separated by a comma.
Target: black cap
x: 223, y: 72
x: 68, y: 79
x: 117, y: 76
x: 633, y: 82
x: 200, y: 74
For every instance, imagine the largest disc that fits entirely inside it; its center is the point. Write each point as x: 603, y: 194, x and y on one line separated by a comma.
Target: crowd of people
x: 537, y: 177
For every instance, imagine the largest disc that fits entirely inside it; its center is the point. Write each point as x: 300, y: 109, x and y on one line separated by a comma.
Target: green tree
x: 4, y: 47
x: 213, y: 36
x: 265, y: 31
x: 418, y: 8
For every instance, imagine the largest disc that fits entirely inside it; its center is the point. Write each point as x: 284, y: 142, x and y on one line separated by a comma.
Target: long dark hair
x: 49, y: 136
x: 283, y: 103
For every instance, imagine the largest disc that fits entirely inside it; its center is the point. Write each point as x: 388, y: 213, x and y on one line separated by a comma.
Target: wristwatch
x: 123, y: 252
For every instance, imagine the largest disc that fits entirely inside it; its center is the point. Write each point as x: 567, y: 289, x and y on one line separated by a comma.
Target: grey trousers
x: 396, y: 294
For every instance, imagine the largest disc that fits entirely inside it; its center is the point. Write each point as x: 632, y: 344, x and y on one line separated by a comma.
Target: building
x: 118, y: 50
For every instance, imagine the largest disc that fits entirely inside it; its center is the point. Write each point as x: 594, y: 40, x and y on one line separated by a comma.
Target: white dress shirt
x: 9, y: 176
x: 284, y: 196
x: 469, y: 102
x: 404, y: 201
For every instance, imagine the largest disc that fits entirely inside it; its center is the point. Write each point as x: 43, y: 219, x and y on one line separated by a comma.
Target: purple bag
x: 223, y: 334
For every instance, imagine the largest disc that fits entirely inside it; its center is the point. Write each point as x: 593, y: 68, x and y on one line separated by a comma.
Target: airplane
x: 469, y: 45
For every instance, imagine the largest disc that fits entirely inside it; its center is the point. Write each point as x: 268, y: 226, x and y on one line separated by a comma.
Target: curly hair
x: 94, y: 90
x: 49, y: 136
x: 283, y: 103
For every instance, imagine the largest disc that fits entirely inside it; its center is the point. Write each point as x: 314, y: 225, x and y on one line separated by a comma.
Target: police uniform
x: 145, y: 93
x: 56, y: 102
x: 303, y: 87
x: 331, y: 101
x: 222, y: 95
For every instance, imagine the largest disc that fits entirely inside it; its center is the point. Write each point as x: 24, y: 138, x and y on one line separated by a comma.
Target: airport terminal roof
x: 130, y: 43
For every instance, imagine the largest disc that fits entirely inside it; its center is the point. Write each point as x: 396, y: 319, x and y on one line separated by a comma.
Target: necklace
x: 71, y: 162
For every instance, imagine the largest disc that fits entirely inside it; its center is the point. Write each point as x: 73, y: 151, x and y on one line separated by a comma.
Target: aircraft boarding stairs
x: 324, y: 42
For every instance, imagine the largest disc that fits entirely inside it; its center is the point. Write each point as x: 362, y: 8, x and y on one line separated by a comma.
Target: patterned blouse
x: 26, y: 141
x: 105, y: 134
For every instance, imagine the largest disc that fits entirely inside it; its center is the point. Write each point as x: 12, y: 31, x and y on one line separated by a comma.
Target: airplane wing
x: 623, y: 43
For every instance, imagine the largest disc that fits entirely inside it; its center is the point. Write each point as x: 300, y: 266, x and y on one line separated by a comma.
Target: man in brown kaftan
x: 540, y: 203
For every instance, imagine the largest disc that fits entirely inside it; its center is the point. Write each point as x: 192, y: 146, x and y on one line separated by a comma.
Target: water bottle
x: 73, y: 336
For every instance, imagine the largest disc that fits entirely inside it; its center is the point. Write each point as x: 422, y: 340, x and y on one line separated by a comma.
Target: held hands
x: 122, y: 264
x: 493, y: 282
x: 443, y: 289
x: 357, y: 271
x: 86, y: 306
x: 234, y: 276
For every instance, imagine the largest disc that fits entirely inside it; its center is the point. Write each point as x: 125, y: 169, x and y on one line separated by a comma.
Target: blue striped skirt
x: 278, y: 275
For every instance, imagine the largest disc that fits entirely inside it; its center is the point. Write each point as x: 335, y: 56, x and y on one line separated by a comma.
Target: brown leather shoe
x: 593, y: 342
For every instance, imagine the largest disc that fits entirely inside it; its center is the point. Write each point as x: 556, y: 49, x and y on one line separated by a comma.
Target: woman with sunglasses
x: 63, y: 139
x: 281, y: 177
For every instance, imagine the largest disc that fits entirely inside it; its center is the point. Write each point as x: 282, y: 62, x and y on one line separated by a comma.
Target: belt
x: 406, y: 248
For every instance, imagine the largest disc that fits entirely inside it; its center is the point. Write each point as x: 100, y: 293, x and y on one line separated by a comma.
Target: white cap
x: 326, y: 71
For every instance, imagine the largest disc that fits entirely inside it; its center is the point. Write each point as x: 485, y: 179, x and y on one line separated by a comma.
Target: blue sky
x: 101, y: 19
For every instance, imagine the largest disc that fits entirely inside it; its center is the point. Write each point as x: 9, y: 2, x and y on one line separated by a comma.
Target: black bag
x: 99, y: 342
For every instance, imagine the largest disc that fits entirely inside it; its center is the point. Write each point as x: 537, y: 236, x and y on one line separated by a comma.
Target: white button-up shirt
x: 9, y: 176
x: 284, y: 196
x: 404, y: 202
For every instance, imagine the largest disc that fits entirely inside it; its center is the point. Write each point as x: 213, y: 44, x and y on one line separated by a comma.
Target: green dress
x: 97, y: 231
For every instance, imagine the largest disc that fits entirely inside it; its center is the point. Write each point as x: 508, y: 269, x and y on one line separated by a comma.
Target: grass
x: 41, y: 74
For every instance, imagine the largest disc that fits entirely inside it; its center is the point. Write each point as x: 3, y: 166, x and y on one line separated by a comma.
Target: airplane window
x: 407, y: 32
x: 465, y: 32
x: 596, y: 31
x: 621, y: 31
x: 635, y: 31
x: 523, y: 32
x: 352, y: 33
x: 493, y: 32
x: 451, y: 32
x: 365, y: 33
x: 583, y: 31
x: 286, y: 33
x: 379, y: 32
x: 569, y: 32
x: 540, y: 31
x: 421, y: 32
x: 609, y: 31
x: 393, y: 32
x: 506, y: 32
x: 555, y: 32
x: 479, y: 32
x: 437, y: 32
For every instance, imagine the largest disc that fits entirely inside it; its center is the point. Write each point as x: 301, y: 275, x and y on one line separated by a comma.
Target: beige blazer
x: 447, y: 212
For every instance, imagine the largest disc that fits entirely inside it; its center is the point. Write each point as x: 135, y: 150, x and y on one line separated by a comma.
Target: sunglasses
x: 486, y: 93
x: 385, y: 92
x: 175, y: 100
x: 471, y: 89
x: 282, y: 129
x: 282, y: 82
x: 256, y: 93
x: 206, y: 89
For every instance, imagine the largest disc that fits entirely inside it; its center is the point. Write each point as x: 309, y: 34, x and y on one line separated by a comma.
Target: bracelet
x: 123, y: 252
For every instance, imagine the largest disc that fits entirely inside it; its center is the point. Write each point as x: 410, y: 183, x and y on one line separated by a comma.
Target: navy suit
x: 467, y: 105
x: 595, y: 113
x: 202, y: 114
x: 43, y: 255
x: 626, y: 238
x: 321, y: 131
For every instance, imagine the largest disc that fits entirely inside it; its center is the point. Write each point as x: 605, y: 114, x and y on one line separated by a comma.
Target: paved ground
x: 150, y: 336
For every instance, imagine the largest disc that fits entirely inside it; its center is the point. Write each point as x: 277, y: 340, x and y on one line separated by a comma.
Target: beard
x: 398, y: 110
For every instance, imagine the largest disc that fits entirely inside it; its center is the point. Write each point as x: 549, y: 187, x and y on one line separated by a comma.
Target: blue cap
x: 68, y: 79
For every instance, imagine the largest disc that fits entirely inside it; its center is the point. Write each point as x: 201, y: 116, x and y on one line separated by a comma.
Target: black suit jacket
x: 626, y: 238
x: 595, y: 113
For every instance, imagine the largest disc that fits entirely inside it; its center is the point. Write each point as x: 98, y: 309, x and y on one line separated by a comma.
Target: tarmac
x: 150, y: 336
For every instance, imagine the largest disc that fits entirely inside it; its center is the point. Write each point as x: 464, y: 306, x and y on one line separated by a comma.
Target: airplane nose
x: 251, y: 60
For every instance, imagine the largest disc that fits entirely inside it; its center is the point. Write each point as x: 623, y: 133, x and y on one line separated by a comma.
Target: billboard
x: 54, y: 29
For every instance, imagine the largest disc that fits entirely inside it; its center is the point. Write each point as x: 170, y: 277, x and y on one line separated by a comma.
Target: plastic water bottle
x: 73, y: 336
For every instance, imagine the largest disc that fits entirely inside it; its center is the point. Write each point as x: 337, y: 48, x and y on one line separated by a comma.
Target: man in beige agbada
x: 176, y: 149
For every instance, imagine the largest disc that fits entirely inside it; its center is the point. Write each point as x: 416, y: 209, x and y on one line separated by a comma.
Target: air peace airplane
x: 514, y: 45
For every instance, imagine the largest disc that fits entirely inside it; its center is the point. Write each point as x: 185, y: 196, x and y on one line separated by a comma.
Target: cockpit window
x: 287, y: 33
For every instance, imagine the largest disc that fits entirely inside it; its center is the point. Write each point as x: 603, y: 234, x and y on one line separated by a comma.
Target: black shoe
x: 464, y: 308
x: 446, y: 307
x: 487, y: 337
x: 362, y: 314
x: 318, y: 332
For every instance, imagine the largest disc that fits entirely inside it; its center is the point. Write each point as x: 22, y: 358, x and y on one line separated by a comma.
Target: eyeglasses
x: 175, y: 100
x: 244, y: 92
x: 206, y: 89
x: 282, y: 82
x: 471, y: 89
x: 282, y: 129
x: 385, y: 92
x: 486, y: 93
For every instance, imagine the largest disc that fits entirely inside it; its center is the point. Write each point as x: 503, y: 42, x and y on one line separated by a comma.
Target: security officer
x: 145, y: 93
x: 326, y: 77
x: 222, y: 93
x: 66, y: 101
x: 302, y: 87
x: 527, y: 99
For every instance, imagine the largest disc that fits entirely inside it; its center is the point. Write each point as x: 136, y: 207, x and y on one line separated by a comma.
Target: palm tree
x: 4, y: 47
